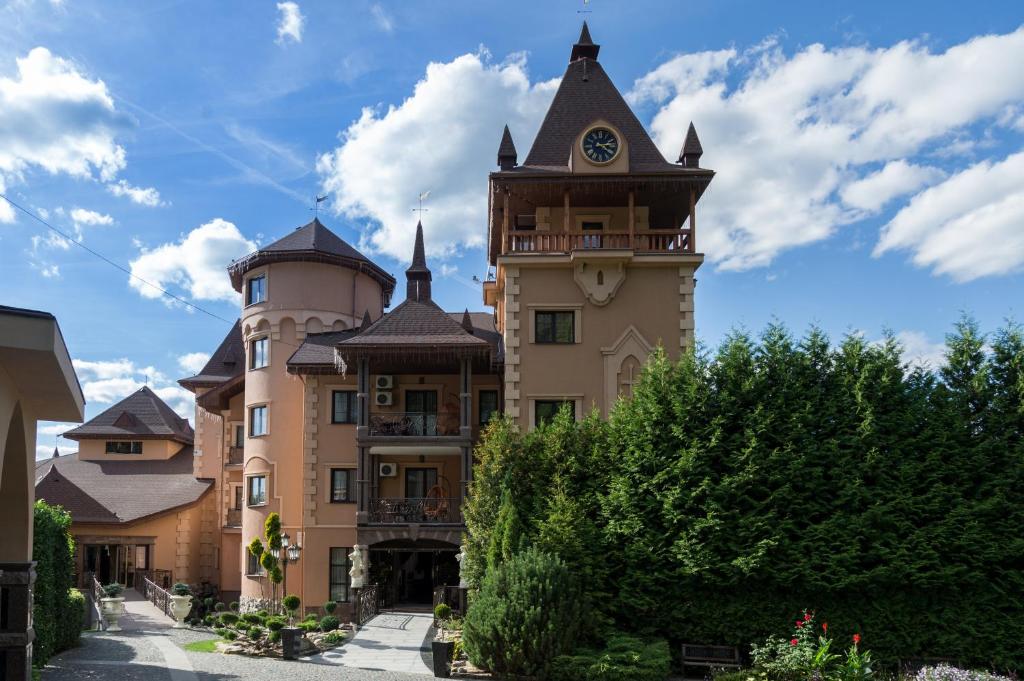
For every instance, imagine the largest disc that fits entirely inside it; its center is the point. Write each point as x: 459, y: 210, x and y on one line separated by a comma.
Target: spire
x: 691, y: 152
x: 56, y: 452
x: 584, y: 47
x: 365, y: 324
x: 507, y: 151
x: 417, y: 277
x: 467, y: 321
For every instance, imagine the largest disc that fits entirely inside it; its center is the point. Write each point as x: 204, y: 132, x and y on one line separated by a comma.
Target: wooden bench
x: 709, y: 657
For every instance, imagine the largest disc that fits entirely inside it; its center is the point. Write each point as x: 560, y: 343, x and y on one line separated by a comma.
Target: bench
x: 710, y: 657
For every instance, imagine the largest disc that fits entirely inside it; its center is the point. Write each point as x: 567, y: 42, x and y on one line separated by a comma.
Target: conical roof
x: 141, y: 415
x: 507, y: 155
x: 691, y: 152
x: 584, y: 47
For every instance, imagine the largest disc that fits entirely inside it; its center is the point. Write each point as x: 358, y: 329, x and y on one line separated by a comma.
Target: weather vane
x: 423, y: 197
x: 586, y: 3
x: 317, y: 200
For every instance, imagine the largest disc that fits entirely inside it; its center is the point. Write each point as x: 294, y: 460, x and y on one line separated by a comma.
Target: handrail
x: 414, y: 424
x: 649, y: 241
x: 366, y: 605
x: 414, y: 510
x: 158, y: 597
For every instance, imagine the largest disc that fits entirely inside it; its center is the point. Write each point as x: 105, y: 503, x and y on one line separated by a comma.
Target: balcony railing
x: 236, y: 455
x: 413, y: 424
x: 654, y: 241
x: 234, y: 518
x: 419, y: 510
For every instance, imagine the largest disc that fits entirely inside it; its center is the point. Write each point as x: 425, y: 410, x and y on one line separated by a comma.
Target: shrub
x: 308, y: 626
x: 233, y: 606
x: 69, y: 627
x: 329, y: 623
x: 112, y: 590
x: 291, y: 603
x: 220, y: 631
x: 228, y: 619
x: 330, y: 607
x: 53, y: 550
x: 181, y: 589
x: 945, y: 672
x: 626, y: 658
x: 810, y: 654
x: 333, y: 637
x: 243, y: 627
x: 527, y: 613
x: 263, y: 613
x: 208, y: 603
x: 442, y: 611
x: 254, y: 618
x: 230, y: 635
x: 311, y: 617
x: 276, y: 623
x: 274, y: 636
x: 209, y: 620
x: 256, y: 632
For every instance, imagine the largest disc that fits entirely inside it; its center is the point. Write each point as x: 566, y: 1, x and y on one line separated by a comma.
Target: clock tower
x: 593, y: 238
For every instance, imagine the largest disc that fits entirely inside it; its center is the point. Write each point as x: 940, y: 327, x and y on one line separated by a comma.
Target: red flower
x: 807, y: 617
x: 793, y: 642
x: 824, y: 627
x: 856, y: 639
x: 799, y: 624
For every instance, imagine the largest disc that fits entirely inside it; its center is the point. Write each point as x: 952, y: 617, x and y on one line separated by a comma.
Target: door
x: 418, y: 482
x: 421, y: 408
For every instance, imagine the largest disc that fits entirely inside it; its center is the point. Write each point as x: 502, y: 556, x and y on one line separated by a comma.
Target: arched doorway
x: 407, y: 571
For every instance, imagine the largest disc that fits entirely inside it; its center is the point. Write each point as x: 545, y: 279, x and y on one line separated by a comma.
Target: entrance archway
x: 407, y: 571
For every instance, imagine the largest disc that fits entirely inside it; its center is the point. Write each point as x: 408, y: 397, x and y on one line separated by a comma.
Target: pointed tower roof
x: 584, y: 47
x: 467, y: 321
x: 507, y: 156
x: 365, y: 324
x: 312, y: 242
x: 691, y: 152
x: 141, y: 415
x: 418, y: 276
x: 226, y: 362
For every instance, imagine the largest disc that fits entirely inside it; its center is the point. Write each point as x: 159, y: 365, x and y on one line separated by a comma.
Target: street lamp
x: 289, y: 553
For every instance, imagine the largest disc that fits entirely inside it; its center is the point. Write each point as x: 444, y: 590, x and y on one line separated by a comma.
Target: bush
x: 209, y: 620
x: 626, y: 658
x: 291, y: 602
x: 945, y: 672
x: 311, y: 617
x: 181, y: 589
x: 263, y: 613
x: 308, y: 627
x: 256, y: 632
x: 333, y: 637
x: 330, y: 607
x: 527, y: 613
x: 112, y: 590
x: 233, y: 606
x: 230, y: 635
x: 228, y: 619
x: 243, y: 627
x: 208, y: 603
x: 442, y: 611
x: 220, y: 631
x: 53, y: 550
x: 274, y: 636
x: 329, y: 623
x: 276, y: 623
x: 69, y: 627
x: 254, y: 618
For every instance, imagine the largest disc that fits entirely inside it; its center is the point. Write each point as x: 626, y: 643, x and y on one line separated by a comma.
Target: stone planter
x: 442, y: 657
x: 180, y: 608
x: 112, y: 609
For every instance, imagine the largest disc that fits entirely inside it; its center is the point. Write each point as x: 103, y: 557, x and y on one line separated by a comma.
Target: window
x: 344, y: 406
x: 526, y: 221
x: 257, y: 421
x: 545, y: 410
x: 587, y: 224
x: 340, y: 566
x: 124, y: 447
x: 256, y: 290
x: 257, y: 490
x: 488, y: 405
x: 259, y: 352
x: 239, y: 438
x: 421, y: 412
x: 252, y: 564
x: 238, y: 498
x: 342, y: 485
x: 419, y: 481
x: 554, y: 326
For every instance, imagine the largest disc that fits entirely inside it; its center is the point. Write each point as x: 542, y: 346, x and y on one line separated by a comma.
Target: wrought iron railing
x: 236, y: 455
x: 366, y: 604
x: 452, y: 596
x: 415, y: 510
x: 158, y: 597
x: 234, y: 518
x: 653, y: 241
x: 407, y: 424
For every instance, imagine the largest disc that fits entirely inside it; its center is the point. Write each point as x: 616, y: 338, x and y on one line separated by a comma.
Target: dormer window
x: 256, y: 290
x: 134, y: 447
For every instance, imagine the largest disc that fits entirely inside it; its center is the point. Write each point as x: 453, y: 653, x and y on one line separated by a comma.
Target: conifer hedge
x: 58, y: 609
x: 739, y: 487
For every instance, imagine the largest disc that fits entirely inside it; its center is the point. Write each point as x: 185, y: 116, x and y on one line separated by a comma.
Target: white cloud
x: 443, y: 138
x: 448, y: 270
x: 197, y: 263
x: 787, y: 134
x: 108, y: 381
x: 382, y: 18
x: 920, y: 351
x: 144, y: 196
x: 82, y: 216
x: 897, y: 178
x: 193, y: 362
x: 55, y: 118
x: 290, y: 23
x: 968, y: 226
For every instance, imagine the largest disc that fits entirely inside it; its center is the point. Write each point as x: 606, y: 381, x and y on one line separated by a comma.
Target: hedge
x: 58, y: 609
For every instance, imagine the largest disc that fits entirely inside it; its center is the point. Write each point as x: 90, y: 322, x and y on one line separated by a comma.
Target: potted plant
x: 112, y: 605
x: 442, y: 649
x: 181, y: 604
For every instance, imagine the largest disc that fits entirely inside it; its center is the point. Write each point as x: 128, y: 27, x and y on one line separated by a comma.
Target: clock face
x: 600, y: 145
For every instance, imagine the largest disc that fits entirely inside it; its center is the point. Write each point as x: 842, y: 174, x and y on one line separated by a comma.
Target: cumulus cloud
x: 968, y: 226
x: 382, y: 18
x: 108, y: 381
x: 85, y: 217
x: 443, y: 138
x: 55, y: 118
x: 195, y: 264
x: 921, y: 351
x: 193, y: 362
x: 788, y: 135
x: 290, y: 23
x: 144, y: 196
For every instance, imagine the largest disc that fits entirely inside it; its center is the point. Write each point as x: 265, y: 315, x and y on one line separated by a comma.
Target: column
x: 16, y: 580
x: 363, y: 470
x: 466, y: 424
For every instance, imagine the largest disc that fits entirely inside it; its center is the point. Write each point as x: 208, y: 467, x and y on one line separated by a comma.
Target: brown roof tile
x: 141, y: 415
x: 227, y: 361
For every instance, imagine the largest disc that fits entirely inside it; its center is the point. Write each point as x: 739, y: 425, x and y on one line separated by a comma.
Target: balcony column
x: 363, y: 470
x: 632, y: 219
x: 693, y: 220
x: 466, y: 422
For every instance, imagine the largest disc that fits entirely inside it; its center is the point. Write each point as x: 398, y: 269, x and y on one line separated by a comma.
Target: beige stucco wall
x: 164, y: 529
x: 17, y: 449
x: 95, y: 450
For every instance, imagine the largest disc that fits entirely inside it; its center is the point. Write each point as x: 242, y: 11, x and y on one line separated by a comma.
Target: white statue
x: 358, y: 571
x: 463, y: 567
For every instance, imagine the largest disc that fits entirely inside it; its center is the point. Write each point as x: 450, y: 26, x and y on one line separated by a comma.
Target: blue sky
x: 869, y: 154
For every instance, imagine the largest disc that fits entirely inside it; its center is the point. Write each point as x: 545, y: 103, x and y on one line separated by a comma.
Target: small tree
x: 291, y: 603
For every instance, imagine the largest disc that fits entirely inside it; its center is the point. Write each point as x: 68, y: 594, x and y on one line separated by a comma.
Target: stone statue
x: 358, y: 571
x: 463, y: 567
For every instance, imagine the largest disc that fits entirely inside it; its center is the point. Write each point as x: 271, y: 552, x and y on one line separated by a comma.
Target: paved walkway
x: 391, y: 641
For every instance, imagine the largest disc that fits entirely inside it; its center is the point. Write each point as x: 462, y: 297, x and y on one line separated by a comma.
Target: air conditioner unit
x: 385, y: 382
x: 385, y: 398
x: 388, y: 470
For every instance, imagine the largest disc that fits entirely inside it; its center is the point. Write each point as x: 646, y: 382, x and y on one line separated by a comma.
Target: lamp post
x: 288, y: 553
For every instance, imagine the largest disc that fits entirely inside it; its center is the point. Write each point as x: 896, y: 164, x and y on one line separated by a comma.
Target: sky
x: 869, y: 156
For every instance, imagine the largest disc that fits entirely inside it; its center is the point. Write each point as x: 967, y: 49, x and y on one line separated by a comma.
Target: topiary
x: 311, y: 617
x: 276, y: 623
x: 220, y: 631
x: 256, y: 632
x: 329, y: 623
x: 254, y: 618
x: 263, y: 613
x: 528, y: 612
x: 308, y: 627
x: 113, y: 590
x: 228, y: 619
x: 233, y: 606
x: 274, y: 636
x: 442, y: 611
x: 209, y: 620
x: 208, y: 602
x: 181, y: 589
x: 230, y: 635
x: 291, y: 603
x: 219, y: 607
x: 330, y: 607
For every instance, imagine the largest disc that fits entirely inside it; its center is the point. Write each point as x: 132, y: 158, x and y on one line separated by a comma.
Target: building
x: 137, y: 508
x: 37, y: 382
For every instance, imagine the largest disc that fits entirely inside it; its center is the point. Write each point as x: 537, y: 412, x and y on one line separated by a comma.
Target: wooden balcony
x: 652, y: 241
x: 406, y: 511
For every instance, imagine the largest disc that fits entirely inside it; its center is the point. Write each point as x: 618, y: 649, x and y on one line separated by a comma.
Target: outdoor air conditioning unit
x: 388, y: 470
x: 385, y: 398
x: 385, y: 382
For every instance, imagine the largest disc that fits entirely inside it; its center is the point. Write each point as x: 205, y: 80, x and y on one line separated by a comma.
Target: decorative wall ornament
x: 622, y: 360
x: 599, y: 279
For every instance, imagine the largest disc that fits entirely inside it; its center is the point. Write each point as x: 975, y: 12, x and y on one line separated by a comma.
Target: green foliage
x: 256, y: 632
x: 272, y: 529
x: 230, y: 635
x: 625, y: 658
x: 55, y: 606
x: 308, y: 626
x: 209, y: 620
x: 291, y: 602
x: 220, y: 631
x: 276, y: 576
x: 181, y: 589
x: 228, y: 619
x: 329, y: 623
x: 69, y: 626
x: 528, y: 612
x: 334, y: 637
x: 442, y: 611
x: 255, y: 548
x: 254, y: 618
x: 233, y: 606
x: 113, y: 590
x: 311, y: 617
x: 219, y: 607
x: 808, y: 654
x: 330, y: 607
x: 274, y: 636
x: 276, y: 623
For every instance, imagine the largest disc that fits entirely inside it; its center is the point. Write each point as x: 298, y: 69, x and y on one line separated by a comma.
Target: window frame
x: 350, y: 485
x: 261, y: 277
x: 353, y: 407
x: 265, y: 355
x: 249, y: 480
x: 553, y: 314
x: 265, y: 422
x: 345, y: 565
x: 537, y: 422
x: 107, y: 449
x: 250, y: 561
x: 480, y: 405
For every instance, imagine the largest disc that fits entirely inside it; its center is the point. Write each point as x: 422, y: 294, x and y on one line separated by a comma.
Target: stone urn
x: 112, y: 608
x: 181, y: 606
